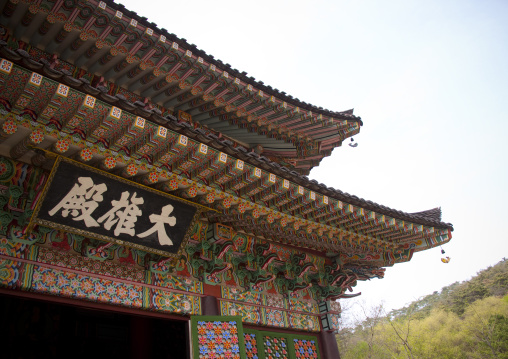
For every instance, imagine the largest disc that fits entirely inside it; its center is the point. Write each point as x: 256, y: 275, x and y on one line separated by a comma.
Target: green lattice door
x: 215, y: 337
x: 269, y: 345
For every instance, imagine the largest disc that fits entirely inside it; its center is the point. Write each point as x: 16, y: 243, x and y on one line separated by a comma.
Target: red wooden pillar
x: 329, y: 345
x: 210, y: 304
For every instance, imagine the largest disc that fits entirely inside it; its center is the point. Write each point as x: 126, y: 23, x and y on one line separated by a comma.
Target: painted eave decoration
x: 96, y: 83
x: 127, y: 60
x: 43, y: 118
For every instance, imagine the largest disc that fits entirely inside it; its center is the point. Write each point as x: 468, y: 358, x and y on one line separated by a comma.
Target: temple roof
x: 124, y: 54
x: 68, y: 110
x: 433, y: 214
x: 430, y: 217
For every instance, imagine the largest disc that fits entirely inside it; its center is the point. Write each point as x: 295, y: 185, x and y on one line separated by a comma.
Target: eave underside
x: 39, y: 112
x: 119, y: 56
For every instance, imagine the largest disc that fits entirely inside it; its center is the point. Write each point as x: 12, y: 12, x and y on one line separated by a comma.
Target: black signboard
x: 92, y: 203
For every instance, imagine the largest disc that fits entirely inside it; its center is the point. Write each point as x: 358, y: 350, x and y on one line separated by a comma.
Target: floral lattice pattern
x: 275, y: 348
x: 305, y: 348
x: 269, y: 345
x: 218, y: 339
x: 251, y: 348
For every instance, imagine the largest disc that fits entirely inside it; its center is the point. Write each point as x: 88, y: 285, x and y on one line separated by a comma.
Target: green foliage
x: 464, y: 320
x: 499, y: 325
x: 492, y: 281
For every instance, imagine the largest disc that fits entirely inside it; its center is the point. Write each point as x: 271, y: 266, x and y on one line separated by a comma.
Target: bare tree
x: 403, y: 334
x: 367, y: 319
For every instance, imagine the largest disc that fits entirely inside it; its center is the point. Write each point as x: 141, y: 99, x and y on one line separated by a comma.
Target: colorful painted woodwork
x: 213, y: 338
x: 172, y: 75
x: 269, y: 345
x: 96, y: 83
x: 309, y: 212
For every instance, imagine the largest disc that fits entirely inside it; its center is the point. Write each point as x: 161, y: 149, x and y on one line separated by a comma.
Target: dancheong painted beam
x: 268, y: 200
x: 154, y: 70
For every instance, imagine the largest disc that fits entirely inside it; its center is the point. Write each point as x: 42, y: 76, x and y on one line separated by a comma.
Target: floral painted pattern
x: 242, y: 295
x: 218, y: 339
x: 276, y: 301
x: 299, y: 305
x: 335, y: 306
x: 304, y: 322
x: 175, y: 302
x: 107, y: 268
x: 74, y: 285
x: 305, y: 348
x: 275, y: 318
x: 9, y: 273
x: 334, y: 321
x: 249, y: 313
x: 12, y: 249
x: 181, y: 283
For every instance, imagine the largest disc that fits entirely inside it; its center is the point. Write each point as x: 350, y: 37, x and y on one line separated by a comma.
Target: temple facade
x: 154, y: 200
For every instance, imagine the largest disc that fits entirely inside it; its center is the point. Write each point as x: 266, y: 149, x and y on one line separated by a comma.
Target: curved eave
x: 259, y: 197
x: 150, y: 65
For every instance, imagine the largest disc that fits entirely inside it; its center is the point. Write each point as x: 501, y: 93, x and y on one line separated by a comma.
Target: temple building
x: 154, y: 201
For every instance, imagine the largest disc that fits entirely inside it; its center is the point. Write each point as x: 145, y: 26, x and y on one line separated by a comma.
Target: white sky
x: 429, y: 79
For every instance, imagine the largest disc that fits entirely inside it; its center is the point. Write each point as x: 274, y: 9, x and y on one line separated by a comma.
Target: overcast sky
x: 429, y: 79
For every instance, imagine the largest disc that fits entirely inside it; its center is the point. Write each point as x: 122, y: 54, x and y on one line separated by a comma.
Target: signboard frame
x: 95, y: 173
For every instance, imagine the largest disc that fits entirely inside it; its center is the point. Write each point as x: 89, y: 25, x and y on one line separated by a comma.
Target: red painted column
x: 329, y: 345
x: 210, y: 303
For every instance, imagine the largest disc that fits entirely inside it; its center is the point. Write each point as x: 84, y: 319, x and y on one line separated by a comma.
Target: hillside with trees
x: 463, y: 320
